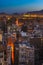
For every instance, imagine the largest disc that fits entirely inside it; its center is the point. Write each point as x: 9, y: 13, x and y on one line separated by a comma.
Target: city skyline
x: 20, y: 6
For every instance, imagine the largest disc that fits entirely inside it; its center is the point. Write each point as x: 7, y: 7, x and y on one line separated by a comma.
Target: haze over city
x: 20, y: 6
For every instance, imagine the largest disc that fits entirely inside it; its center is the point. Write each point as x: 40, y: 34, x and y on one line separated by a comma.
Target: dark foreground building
x: 38, y: 44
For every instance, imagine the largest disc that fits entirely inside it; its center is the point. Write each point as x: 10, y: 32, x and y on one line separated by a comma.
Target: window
x: 1, y: 54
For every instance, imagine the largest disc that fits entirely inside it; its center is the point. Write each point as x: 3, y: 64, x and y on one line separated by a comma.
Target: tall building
x: 10, y: 51
x: 26, y: 54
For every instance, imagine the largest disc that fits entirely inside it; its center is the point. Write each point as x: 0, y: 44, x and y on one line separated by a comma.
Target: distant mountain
x: 35, y: 12
x: 4, y: 13
x: 15, y: 13
x: 31, y: 12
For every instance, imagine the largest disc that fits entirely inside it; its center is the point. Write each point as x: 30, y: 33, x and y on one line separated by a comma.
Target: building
x: 38, y: 44
x: 3, y: 55
x: 10, y: 51
x: 26, y: 54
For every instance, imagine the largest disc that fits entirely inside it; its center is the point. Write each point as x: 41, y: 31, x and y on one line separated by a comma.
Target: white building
x: 26, y: 55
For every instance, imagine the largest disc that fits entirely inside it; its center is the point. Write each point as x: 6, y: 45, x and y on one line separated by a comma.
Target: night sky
x: 19, y: 6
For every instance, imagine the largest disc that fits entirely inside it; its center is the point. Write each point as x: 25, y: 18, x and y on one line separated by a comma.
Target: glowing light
x: 17, y: 22
x: 10, y: 43
x: 26, y: 15
x: 8, y: 18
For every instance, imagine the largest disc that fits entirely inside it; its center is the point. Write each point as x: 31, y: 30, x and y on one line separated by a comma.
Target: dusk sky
x: 19, y: 6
